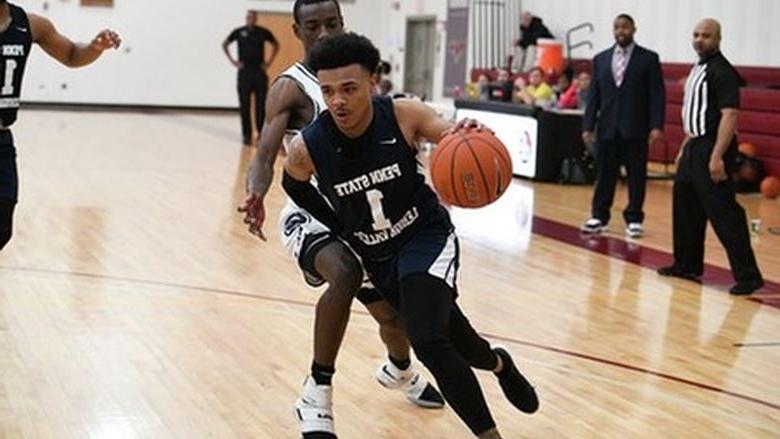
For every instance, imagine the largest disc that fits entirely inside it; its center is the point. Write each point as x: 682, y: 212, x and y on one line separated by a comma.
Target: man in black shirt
x: 702, y: 188
x: 251, y: 65
x: 531, y: 29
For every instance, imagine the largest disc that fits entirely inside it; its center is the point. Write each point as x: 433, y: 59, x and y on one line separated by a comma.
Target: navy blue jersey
x: 15, y: 42
x: 373, y: 182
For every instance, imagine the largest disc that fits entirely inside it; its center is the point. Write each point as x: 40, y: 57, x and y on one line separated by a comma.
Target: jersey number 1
x: 381, y: 222
x: 8, y: 84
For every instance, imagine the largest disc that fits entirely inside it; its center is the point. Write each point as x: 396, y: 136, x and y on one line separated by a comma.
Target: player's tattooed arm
x: 298, y: 164
x: 64, y: 50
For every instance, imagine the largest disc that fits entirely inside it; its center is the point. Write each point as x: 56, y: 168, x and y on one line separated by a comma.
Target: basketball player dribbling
x: 293, y: 102
x: 361, y: 152
x: 18, y: 30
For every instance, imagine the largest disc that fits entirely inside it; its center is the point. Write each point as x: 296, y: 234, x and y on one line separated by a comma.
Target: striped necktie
x: 620, y: 65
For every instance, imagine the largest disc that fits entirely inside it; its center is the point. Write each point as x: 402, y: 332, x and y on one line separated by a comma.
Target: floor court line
x: 512, y: 340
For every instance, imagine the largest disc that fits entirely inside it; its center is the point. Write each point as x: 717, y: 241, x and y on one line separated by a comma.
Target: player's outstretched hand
x: 106, y: 39
x: 254, y: 214
x: 466, y: 124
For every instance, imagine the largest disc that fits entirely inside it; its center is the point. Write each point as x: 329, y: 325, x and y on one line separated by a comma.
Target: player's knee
x: 345, y: 276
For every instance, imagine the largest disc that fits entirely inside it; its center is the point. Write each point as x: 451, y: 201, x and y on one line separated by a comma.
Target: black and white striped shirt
x: 712, y: 85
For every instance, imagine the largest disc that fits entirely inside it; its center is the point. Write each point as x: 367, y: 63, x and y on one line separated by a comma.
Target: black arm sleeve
x: 308, y: 197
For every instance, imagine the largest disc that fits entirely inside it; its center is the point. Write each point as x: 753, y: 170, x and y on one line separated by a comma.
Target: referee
x: 251, y: 65
x: 702, y: 189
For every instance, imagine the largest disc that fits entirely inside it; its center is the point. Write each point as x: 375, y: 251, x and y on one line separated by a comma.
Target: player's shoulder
x: 408, y: 109
x: 286, y: 92
x: 39, y: 25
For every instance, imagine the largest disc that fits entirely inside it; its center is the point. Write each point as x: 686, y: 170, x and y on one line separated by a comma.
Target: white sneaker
x: 314, y: 409
x: 593, y: 226
x: 635, y: 230
x: 417, y: 389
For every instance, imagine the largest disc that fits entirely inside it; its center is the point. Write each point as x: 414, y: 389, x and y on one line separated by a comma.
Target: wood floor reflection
x: 134, y: 304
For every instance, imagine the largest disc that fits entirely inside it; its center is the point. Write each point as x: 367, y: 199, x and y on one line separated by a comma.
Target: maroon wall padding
x: 759, y: 122
x: 754, y: 76
x: 760, y: 99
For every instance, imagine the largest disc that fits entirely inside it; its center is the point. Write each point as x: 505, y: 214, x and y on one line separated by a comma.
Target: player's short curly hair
x: 343, y: 50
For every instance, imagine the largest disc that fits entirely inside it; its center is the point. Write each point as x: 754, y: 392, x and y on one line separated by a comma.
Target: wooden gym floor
x: 133, y: 304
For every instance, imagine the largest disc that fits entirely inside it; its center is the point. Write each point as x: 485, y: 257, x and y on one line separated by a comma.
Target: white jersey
x: 310, y: 86
x: 299, y: 230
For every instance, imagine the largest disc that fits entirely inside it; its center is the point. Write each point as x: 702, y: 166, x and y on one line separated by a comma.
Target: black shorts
x: 9, y: 179
x: 433, y: 250
x: 312, y: 244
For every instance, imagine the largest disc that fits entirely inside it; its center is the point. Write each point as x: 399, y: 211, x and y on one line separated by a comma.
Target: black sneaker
x: 516, y: 388
x: 745, y: 288
x: 675, y: 271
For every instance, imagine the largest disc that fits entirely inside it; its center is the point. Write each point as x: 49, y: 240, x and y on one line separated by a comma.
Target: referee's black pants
x: 610, y: 154
x: 251, y: 80
x: 696, y: 200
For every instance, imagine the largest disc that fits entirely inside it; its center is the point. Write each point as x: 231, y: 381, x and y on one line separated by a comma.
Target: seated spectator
x: 576, y: 96
x: 384, y: 87
x: 583, y: 87
x: 531, y: 29
x: 564, y: 83
x: 483, y: 87
x: 501, y: 90
x: 537, y: 92
x: 517, y: 91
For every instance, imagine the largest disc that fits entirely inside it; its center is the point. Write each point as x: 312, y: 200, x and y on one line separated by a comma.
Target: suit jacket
x: 634, y: 108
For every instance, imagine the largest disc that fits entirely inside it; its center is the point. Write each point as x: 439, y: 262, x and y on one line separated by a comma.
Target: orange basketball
x: 770, y: 187
x: 471, y: 168
x: 748, y: 149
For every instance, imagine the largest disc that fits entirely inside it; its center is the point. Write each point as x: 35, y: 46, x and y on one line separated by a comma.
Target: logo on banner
x: 526, y: 147
x: 457, y: 49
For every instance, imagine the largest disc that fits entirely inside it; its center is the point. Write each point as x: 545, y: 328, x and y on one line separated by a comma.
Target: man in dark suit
x: 626, y: 107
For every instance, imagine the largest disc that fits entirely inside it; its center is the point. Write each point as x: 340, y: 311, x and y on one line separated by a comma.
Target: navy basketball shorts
x: 433, y: 250
x: 9, y: 181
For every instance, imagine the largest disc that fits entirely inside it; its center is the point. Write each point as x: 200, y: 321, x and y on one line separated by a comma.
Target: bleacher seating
x: 759, y: 120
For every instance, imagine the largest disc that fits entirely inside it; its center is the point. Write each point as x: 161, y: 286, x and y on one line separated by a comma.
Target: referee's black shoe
x: 675, y: 271
x: 745, y: 288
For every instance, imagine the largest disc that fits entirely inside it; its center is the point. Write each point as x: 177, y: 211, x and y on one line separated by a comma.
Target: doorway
x: 419, y: 58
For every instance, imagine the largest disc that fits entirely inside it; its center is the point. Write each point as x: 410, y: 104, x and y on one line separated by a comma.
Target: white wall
x: 751, y: 28
x: 172, y: 51
x: 173, y: 55
x: 385, y: 24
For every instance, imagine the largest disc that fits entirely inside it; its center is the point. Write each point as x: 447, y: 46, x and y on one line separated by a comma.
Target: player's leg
x: 341, y: 270
x: 443, y: 338
x: 6, y: 220
x: 425, y: 306
x: 397, y: 372
x: 325, y: 259
x: 9, y: 185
